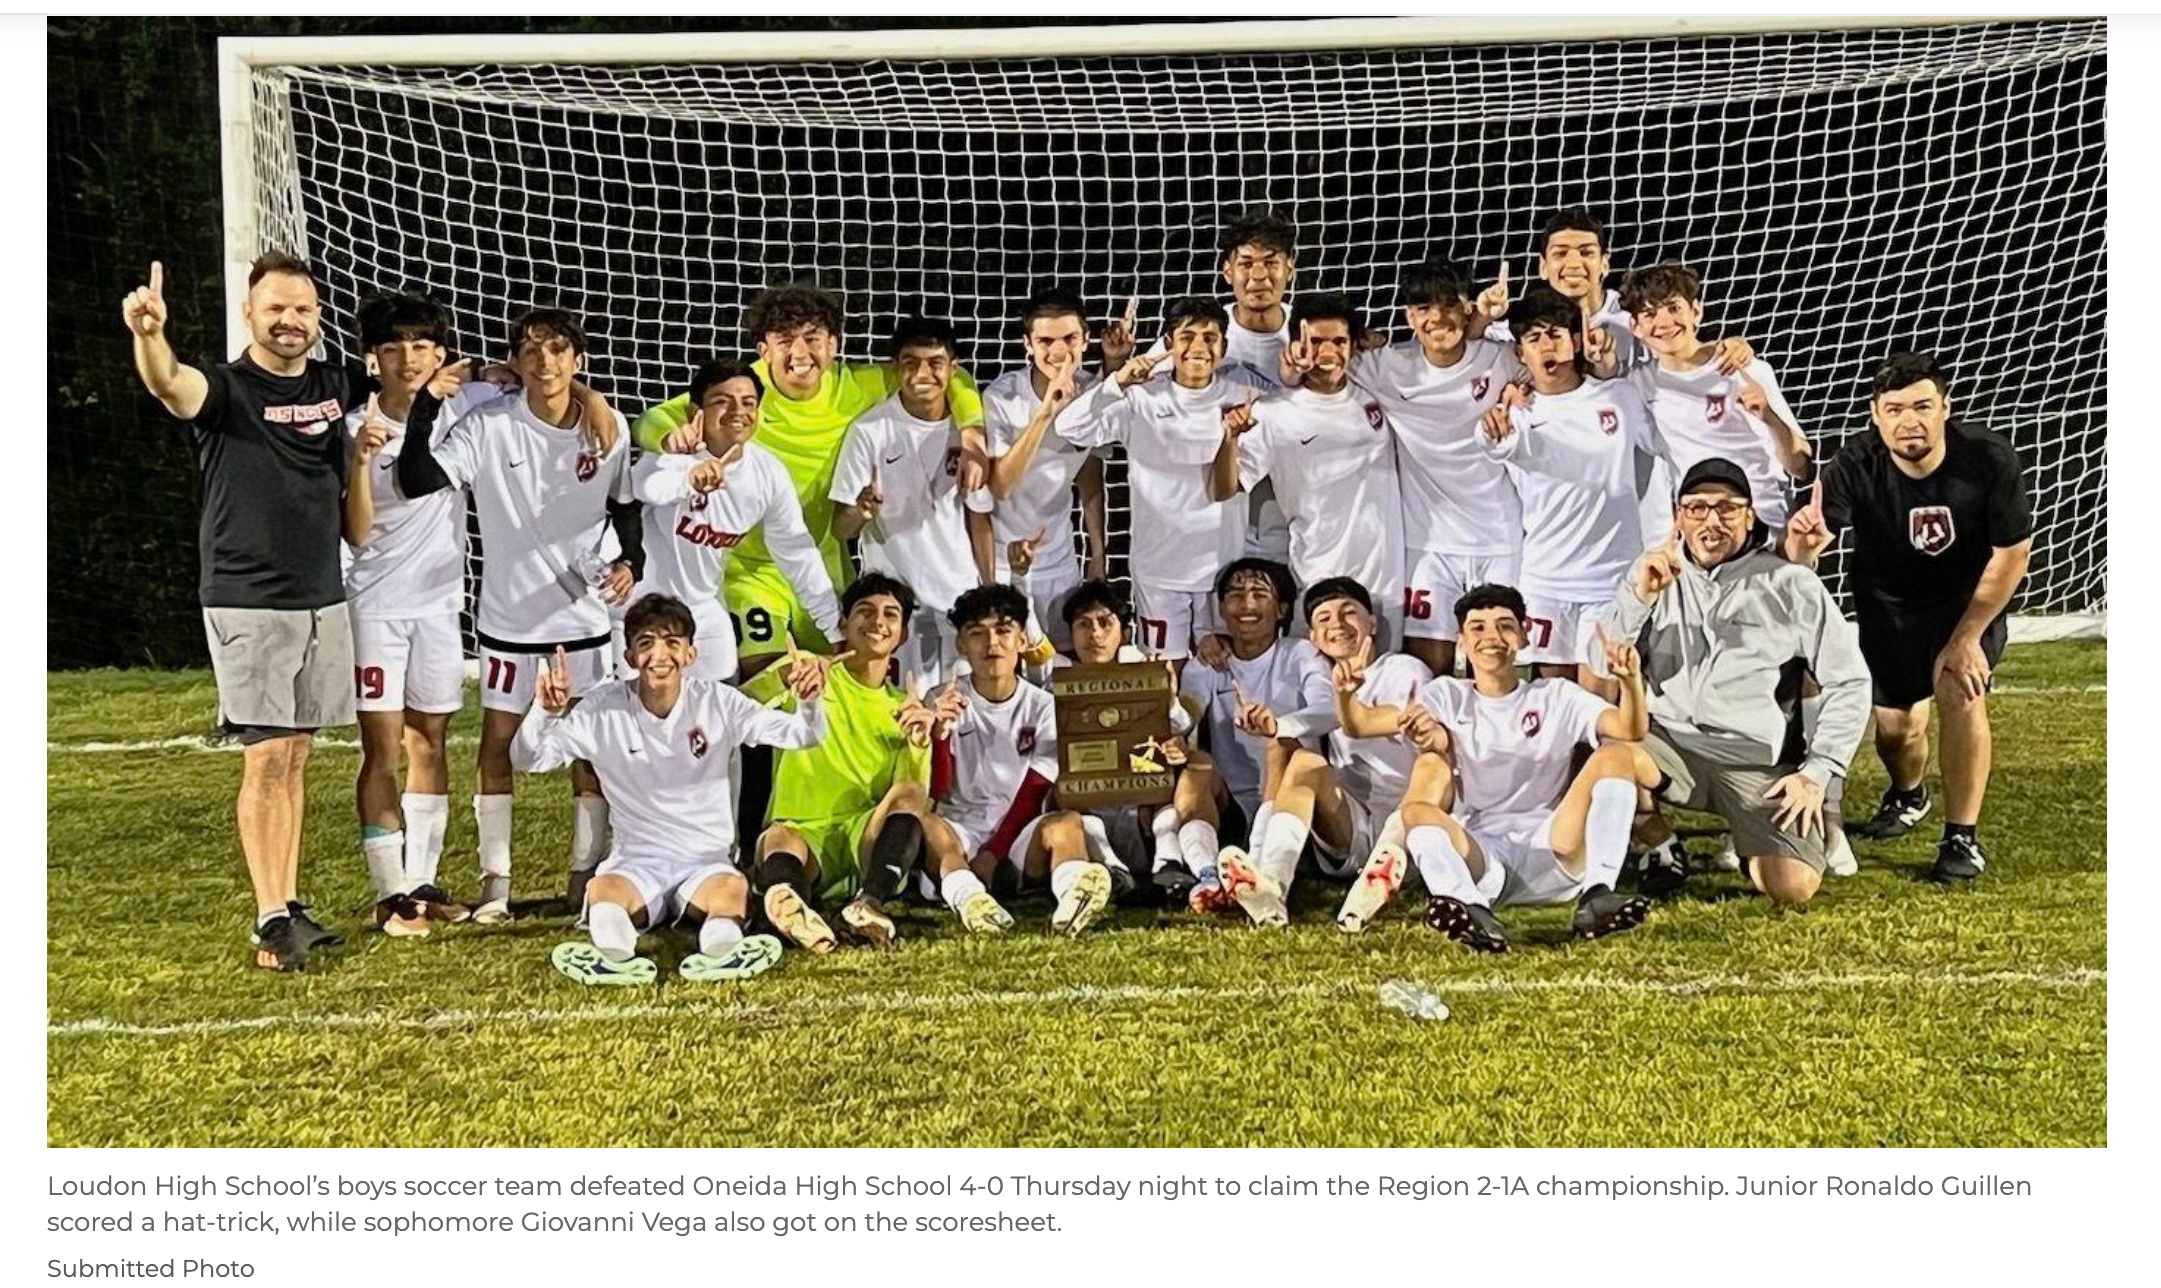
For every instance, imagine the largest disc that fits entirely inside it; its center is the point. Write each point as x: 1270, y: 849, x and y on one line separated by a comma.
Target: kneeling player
x: 1522, y: 830
x: 994, y: 761
x: 660, y: 744
x: 847, y: 813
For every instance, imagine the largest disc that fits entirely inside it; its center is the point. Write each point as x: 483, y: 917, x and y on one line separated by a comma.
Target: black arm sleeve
x: 419, y: 473
x: 627, y: 518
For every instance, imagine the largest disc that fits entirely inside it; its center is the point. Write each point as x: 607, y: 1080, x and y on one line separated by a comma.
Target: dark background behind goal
x: 135, y: 176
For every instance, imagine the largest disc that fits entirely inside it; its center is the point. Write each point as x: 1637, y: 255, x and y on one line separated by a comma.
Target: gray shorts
x: 1735, y: 793
x: 281, y: 668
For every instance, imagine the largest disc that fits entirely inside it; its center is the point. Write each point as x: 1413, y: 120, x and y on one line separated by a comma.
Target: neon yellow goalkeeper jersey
x: 861, y: 756
x: 806, y: 435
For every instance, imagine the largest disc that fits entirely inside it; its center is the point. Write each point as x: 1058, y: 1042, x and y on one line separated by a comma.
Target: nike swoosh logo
x: 386, y: 463
x: 1303, y: 441
x: 516, y: 464
x: 1535, y: 424
x: 894, y: 460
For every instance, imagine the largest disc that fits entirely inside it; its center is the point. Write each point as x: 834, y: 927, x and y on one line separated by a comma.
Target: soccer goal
x: 1845, y: 189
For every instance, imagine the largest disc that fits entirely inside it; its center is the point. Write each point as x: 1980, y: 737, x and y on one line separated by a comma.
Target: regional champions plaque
x: 1112, y: 723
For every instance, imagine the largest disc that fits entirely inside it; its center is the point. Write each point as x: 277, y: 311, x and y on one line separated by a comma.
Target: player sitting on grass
x: 549, y: 472
x: 1579, y: 453
x: 1272, y: 698
x: 897, y: 487
x: 405, y: 585
x: 1703, y: 409
x: 1184, y: 831
x: 700, y: 505
x: 847, y: 813
x: 1728, y: 628
x: 1525, y: 828
x: 1171, y: 427
x: 661, y: 744
x: 994, y: 764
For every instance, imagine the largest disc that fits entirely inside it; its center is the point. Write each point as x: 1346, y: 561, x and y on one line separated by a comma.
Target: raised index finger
x: 157, y: 277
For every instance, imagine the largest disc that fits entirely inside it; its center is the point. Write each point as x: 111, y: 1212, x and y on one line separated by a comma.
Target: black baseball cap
x: 1719, y: 470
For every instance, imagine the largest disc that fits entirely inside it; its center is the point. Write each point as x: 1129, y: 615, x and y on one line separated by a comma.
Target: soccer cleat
x: 312, y: 933
x: 1470, y: 924
x: 401, y: 916
x: 1173, y: 885
x: 1084, y: 901
x: 1377, y: 883
x: 752, y: 955
x: 1255, y: 890
x: 1958, y: 858
x: 868, y: 920
x: 1662, y: 869
x: 279, y: 947
x: 494, y: 908
x: 1208, y: 894
x: 1839, y: 862
x: 1600, y: 911
x: 581, y: 961
x: 982, y: 915
x: 1896, y: 814
x: 797, y: 921
x: 1121, y: 878
x: 438, y: 904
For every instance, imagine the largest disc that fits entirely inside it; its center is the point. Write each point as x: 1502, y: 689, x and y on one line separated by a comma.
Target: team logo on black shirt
x: 1930, y: 529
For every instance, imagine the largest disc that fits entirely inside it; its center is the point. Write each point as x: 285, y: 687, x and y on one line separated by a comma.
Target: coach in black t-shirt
x: 1941, y: 533
x: 267, y: 429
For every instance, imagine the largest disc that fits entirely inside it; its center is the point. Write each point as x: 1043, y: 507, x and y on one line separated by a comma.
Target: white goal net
x: 1844, y: 193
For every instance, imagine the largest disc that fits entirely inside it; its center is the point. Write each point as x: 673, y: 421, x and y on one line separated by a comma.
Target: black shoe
x: 438, y: 904
x: 1958, y: 858
x: 312, y: 933
x: 1662, y: 869
x: 1601, y: 912
x: 1174, y: 885
x: 1896, y: 814
x: 1469, y: 924
x: 279, y: 947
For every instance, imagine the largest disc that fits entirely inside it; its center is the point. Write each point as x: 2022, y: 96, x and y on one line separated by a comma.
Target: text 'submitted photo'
x: 939, y: 644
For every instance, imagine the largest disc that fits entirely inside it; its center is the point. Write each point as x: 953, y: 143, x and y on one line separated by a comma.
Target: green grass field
x: 1890, y: 1013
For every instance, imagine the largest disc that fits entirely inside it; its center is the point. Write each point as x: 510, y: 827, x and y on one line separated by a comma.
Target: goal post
x: 1845, y: 186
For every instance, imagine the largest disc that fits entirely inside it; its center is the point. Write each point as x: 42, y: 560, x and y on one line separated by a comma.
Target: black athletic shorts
x: 1900, y: 643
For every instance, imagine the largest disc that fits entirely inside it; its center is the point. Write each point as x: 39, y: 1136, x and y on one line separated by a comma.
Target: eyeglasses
x: 1725, y: 510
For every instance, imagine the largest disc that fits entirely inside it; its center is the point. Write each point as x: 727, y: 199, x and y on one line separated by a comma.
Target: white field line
x: 197, y: 742
x: 1083, y: 995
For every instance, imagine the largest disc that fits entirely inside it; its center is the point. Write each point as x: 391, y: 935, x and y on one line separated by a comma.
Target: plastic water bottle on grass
x: 1418, y: 1003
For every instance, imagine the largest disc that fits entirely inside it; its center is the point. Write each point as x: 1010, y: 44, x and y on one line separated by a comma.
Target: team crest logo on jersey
x: 952, y: 462
x: 1479, y: 387
x: 1531, y: 722
x: 1609, y: 421
x: 1714, y: 407
x: 588, y: 466
x: 698, y: 745
x: 1930, y: 529
x: 1024, y: 741
x: 1373, y: 415
x: 697, y: 500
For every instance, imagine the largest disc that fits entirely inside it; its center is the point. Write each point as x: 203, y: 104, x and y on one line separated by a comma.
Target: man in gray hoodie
x: 1728, y: 631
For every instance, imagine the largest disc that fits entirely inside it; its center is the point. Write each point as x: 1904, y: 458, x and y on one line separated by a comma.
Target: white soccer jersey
x: 995, y: 746
x: 542, y: 497
x: 1699, y: 416
x: 414, y: 563
x: 1333, y: 461
x: 1513, y: 754
x: 1582, y: 464
x: 1170, y: 435
x: 1045, y: 497
x: 688, y: 534
x: 1291, y: 679
x: 1457, y: 500
x: 1375, y: 771
x: 669, y: 791
x: 921, y: 532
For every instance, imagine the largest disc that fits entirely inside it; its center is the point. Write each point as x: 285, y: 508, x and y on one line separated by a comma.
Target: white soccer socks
x: 614, y: 934
x: 1443, y: 868
x: 1281, y: 844
x: 1605, y: 831
x: 385, y: 853
x: 1164, y: 828
x: 588, y: 832
x: 718, y: 934
x: 1199, y: 845
x: 491, y: 819
x: 957, y: 886
x: 427, y: 822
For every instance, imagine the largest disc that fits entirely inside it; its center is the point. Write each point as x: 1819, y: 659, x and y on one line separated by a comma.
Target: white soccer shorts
x: 1437, y: 581
x: 1521, y: 867
x: 409, y: 664
x: 1559, y: 632
x: 1342, y: 864
x: 975, y: 832
x: 506, y: 679
x: 1169, y: 622
x: 1050, y: 583
x: 665, y: 886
